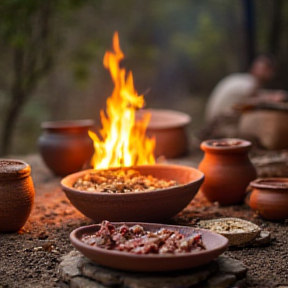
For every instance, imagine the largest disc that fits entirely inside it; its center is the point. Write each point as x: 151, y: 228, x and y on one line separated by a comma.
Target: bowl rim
x: 65, y: 187
x: 66, y: 124
x: 232, y: 143
x: 280, y: 183
x: 183, y: 118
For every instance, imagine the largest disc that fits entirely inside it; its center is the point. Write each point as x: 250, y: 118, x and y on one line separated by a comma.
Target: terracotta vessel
x: 227, y: 169
x: 269, y: 198
x: 215, y: 245
x: 65, y: 146
x: 16, y: 194
x: 169, y: 129
x: 148, y: 206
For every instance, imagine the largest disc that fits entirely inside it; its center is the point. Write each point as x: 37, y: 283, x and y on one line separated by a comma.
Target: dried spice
x: 120, y: 181
x: 136, y: 240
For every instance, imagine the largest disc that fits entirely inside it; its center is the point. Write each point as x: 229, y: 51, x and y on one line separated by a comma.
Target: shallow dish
x: 215, y: 245
x: 237, y: 231
x: 151, y: 206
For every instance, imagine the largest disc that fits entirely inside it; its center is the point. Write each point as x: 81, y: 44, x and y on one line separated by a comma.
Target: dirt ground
x: 31, y: 257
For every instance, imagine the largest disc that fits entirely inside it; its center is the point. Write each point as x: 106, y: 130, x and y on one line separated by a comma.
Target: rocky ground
x: 31, y: 257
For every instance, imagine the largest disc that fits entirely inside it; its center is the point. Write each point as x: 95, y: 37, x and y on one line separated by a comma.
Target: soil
x: 30, y: 258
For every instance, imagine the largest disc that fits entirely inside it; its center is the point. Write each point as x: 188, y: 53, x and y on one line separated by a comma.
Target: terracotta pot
x: 16, y: 194
x: 270, y: 198
x: 149, y: 206
x: 227, y: 170
x: 65, y: 146
x: 169, y: 129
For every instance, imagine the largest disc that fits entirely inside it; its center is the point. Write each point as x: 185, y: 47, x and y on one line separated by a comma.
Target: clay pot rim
x: 181, y: 119
x: 130, y: 195
x: 15, y: 169
x: 225, y: 144
x: 272, y: 183
x: 67, y: 124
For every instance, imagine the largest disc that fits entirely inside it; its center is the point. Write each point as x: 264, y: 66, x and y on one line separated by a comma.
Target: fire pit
x: 122, y: 143
x: 148, y: 206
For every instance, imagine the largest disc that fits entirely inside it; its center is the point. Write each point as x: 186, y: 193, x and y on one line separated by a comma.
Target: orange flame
x: 122, y: 140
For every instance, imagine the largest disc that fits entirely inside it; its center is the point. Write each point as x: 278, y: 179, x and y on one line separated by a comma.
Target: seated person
x: 240, y: 86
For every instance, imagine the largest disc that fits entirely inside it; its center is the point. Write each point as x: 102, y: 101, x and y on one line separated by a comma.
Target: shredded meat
x: 138, y: 241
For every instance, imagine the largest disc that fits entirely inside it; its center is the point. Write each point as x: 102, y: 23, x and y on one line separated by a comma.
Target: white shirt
x: 228, y: 91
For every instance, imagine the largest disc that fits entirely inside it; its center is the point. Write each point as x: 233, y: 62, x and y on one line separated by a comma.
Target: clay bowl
x: 169, y: 129
x: 65, y: 146
x: 151, y: 206
x: 269, y: 197
x: 237, y: 231
x: 215, y: 245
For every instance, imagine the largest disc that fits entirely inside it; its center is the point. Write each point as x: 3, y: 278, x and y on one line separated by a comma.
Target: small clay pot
x: 269, y: 197
x: 65, y: 146
x: 227, y: 170
x: 16, y: 194
x: 169, y: 129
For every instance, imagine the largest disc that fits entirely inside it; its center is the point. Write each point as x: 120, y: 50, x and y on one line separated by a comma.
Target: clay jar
x: 269, y: 198
x: 65, y: 146
x: 169, y: 129
x: 227, y: 170
x: 16, y: 194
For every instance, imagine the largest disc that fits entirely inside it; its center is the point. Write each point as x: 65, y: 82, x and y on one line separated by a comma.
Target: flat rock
x: 76, y: 271
x: 229, y: 265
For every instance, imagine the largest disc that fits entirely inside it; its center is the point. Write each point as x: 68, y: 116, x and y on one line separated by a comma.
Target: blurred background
x: 51, y: 56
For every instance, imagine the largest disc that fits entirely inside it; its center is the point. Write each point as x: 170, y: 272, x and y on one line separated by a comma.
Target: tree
x: 29, y: 32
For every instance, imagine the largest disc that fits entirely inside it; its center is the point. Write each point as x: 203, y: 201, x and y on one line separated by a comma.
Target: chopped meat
x: 138, y: 241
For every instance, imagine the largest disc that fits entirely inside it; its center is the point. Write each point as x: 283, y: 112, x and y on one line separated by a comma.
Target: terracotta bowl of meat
x: 167, y: 190
x: 147, y: 247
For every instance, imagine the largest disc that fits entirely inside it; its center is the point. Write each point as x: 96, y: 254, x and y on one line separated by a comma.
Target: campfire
x: 122, y: 141
x: 125, y: 184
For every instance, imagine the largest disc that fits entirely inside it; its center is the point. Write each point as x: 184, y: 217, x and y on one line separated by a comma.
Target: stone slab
x: 76, y: 271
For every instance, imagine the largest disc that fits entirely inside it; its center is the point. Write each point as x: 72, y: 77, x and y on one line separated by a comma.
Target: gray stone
x: 106, y: 276
x: 78, y: 272
x: 68, y: 267
x: 82, y: 282
x: 228, y: 265
x: 183, y: 281
x: 240, y: 284
x: 221, y: 281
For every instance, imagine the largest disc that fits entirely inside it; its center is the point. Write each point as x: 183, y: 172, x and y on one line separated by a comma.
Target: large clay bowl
x: 215, y: 245
x: 269, y: 198
x: 151, y: 206
x: 168, y: 127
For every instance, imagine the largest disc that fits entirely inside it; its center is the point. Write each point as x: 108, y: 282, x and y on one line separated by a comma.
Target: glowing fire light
x: 122, y: 140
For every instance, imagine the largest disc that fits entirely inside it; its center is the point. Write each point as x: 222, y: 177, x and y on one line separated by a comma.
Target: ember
x: 138, y: 241
x: 120, y: 181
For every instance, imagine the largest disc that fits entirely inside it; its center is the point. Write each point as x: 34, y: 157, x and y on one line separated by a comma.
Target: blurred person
x: 240, y: 86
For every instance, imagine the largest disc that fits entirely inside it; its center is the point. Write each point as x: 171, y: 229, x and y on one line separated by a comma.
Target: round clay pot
x: 227, y: 170
x: 65, y: 146
x: 169, y: 129
x: 16, y: 194
x: 270, y: 198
